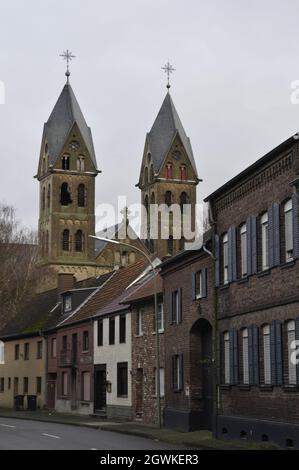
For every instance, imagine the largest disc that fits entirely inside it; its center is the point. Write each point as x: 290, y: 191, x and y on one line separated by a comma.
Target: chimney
x: 66, y: 282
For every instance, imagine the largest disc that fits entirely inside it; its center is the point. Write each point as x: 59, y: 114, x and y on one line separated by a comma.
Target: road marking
x: 93, y: 448
x: 7, y: 426
x: 51, y: 435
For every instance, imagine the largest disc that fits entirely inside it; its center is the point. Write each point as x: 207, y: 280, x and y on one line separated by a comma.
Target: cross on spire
x: 168, y: 68
x: 68, y: 56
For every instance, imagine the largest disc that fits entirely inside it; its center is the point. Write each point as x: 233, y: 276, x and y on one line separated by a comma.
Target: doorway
x: 100, y: 388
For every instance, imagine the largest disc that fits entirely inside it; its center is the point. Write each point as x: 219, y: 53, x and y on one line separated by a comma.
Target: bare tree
x: 18, y: 257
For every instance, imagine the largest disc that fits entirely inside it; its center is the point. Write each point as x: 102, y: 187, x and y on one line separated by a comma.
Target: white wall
x: 111, y: 355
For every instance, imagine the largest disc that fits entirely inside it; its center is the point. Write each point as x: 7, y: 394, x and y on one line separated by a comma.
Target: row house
x: 232, y: 309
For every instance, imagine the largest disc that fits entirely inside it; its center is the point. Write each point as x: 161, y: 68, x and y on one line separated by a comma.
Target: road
x: 34, y: 435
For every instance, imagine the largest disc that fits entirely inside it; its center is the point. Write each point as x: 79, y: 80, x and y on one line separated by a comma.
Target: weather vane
x: 68, y: 56
x: 168, y: 68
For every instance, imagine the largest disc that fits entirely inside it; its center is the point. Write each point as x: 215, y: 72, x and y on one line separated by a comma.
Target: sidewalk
x: 199, y: 439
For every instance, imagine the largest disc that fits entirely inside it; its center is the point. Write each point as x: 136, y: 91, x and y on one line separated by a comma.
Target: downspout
x: 216, y: 351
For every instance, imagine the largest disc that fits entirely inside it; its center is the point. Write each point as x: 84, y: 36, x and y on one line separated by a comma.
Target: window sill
x: 288, y: 264
x: 160, y: 332
x: 290, y: 388
x: 243, y: 280
x: 266, y: 388
x: 122, y: 396
x: 84, y: 402
x: 225, y: 387
x: 266, y: 272
x: 139, y: 336
x: 244, y: 388
x: 224, y: 286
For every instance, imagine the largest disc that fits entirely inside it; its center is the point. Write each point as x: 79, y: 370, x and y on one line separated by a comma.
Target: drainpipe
x: 215, y: 359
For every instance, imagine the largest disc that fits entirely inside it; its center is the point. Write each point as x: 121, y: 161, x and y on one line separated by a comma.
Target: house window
x: 243, y: 239
x: 9, y: 383
x: 2, y: 361
x: 177, y: 372
x: 17, y: 352
x: 111, y: 330
x: 198, y: 284
x: 64, y: 343
x: 169, y: 171
x: 39, y: 350
x: 267, y: 356
x: 38, y: 385
x: 122, y: 379
x: 65, y: 162
x: 100, y: 332
x: 26, y: 351
x: 65, y: 195
x: 53, y: 348
x: 25, y: 385
x: 139, y: 321
x: 1, y: 384
x: 225, y: 257
x: 160, y: 318
x: 66, y: 240
x: 85, y: 341
x: 183, y: 172
x: 16, y: 386
x: 81, y: 195
x: 79, y: 240
x: 288, y: 225
x: 85, y: 386
x: 162, y: 382
x: 68, y: 303
x: 292, y: 376
x: 176, y: 307
x: 245, y: 356
x: 64, y: 383
x: 226, y: 358
x: 122, y: 328
x: 265, y: 241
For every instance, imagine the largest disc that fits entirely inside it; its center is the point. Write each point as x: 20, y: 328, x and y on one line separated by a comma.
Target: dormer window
x: 67, y: 304
x: 65, y: 162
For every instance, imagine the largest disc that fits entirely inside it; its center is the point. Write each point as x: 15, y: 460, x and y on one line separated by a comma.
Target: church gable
x: 177, y: 165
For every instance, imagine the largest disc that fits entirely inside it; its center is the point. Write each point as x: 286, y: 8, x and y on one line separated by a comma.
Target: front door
x: 51, y: 393
x: 100, y: 388
x: 207, y: 376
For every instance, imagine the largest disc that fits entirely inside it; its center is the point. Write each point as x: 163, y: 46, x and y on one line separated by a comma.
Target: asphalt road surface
x: 34, y: 435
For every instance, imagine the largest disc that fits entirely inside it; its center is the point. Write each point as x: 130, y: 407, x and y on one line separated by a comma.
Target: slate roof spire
x: 65, y: 114
x: 166, y: 126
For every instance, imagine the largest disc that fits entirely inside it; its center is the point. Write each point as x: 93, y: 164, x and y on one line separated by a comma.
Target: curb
x: 55, y: 421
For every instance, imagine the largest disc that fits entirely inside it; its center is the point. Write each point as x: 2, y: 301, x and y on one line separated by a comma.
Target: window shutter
x: 232, y: 255
x: 278, y: 353
x: 170, y: 308
x: 204, y: 282
x: 231, y: 357
x: 180, y: 305
x: 297, y: 339
x: 276, y: 233
x: 181, y: 375
x: 253, y: 245
x: 222, y: 358
x: 236, y: 357
x: 273, y: 353
x: 295, y: 226
x: 249, y: 245
x: 250, y: 354
x: 193, y: 286
x: 270, y: 236
x: 256, y: 373
x: 217, y: 260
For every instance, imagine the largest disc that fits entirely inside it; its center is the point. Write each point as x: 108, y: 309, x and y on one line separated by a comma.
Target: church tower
x: 168, y: 176
x: 66, y: 174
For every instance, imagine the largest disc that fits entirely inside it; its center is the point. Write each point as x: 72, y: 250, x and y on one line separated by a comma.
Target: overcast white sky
x: 235, y: 61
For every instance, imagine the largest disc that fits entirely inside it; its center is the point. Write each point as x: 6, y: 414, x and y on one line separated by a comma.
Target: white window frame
x: 139, y: 320
x: 265, y: 241
x: 267, y: 355
x: 292, y: 369
x: 225, y: 257
x: 162, y: 382
x: 245, y: 356
x: 161, y: 317
x: 198, y: 295
x: 226, y: 357
x: 288, y: 230
x: 243, y: 244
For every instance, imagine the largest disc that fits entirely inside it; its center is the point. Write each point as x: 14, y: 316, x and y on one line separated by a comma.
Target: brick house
x: 245, y: 318
x: 144, y: 351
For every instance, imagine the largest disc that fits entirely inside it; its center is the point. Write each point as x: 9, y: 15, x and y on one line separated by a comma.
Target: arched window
x: 65, y: 162
x: 183, y: 202
x: 79, y: 240
x: 65, y: 196
x: 169, y: 171
x: 132, y: 258
x: 44, y: 198
x: 49, y: 196
x: 152, y: 173
x: 170, y: 245
x: 81, y: 195
x: 168, y: 198
x: 66, y: 240
x: 80, y: 163
x: 146, y: 175
x: 183, y: 172
x: 43, y: 243
x: 47, y: 242
x: 124, y: 258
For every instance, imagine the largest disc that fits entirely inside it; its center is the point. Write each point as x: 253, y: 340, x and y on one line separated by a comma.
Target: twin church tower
x: 67, y: 171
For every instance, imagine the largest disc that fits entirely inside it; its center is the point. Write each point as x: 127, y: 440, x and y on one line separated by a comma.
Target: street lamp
x: 116, y: 242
